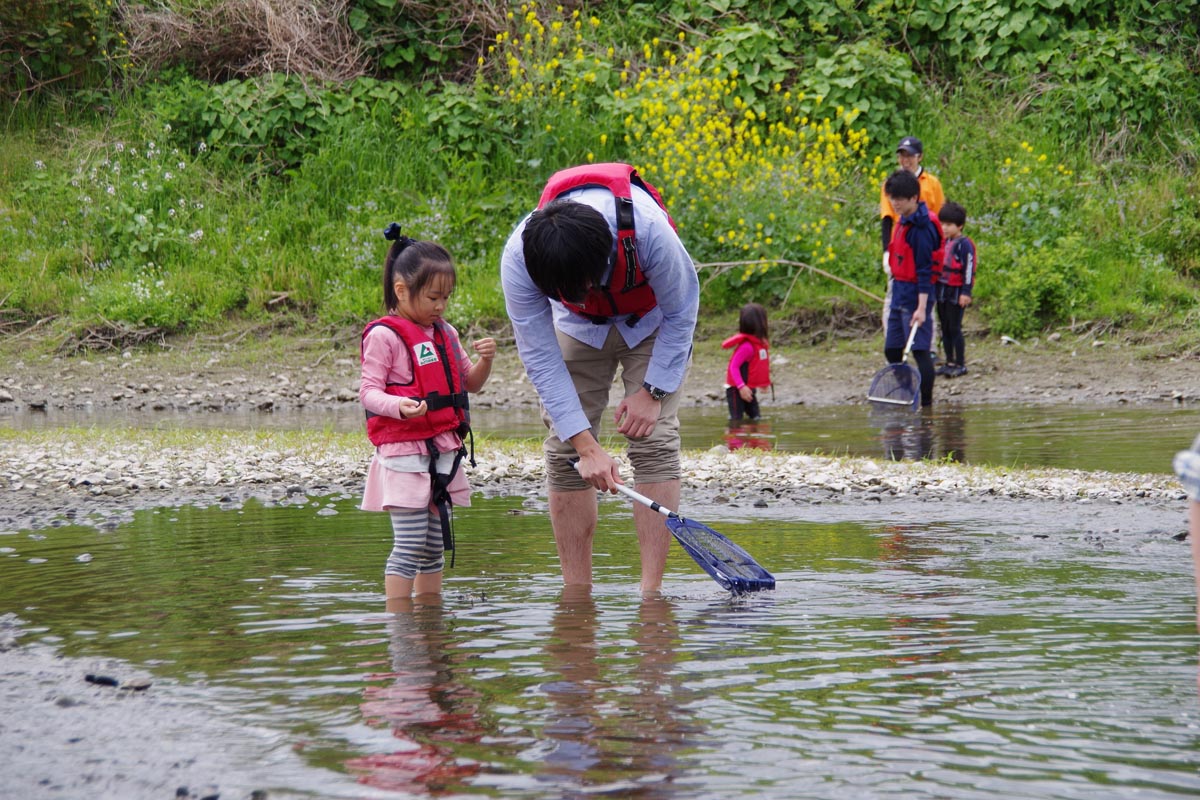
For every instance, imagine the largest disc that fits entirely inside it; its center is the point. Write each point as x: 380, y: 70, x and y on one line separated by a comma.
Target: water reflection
x: 918, y: 435
x: 756, y: 435
x: 620, y: 733
x: 427, y: 710
x: 904, y: 434
x: 919, y: 637
x: 1117, y: 439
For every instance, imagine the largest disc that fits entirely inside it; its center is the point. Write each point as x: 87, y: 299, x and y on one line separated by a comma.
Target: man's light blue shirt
x: 669, y: 271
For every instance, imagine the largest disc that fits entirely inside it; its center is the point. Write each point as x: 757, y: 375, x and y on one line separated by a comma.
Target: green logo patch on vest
x: 424, y: 354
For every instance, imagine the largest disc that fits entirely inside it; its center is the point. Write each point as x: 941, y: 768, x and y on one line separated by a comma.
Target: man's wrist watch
x: 655, y: 392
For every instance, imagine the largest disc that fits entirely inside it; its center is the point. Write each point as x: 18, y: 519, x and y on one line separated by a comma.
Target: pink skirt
x: 387, y: 488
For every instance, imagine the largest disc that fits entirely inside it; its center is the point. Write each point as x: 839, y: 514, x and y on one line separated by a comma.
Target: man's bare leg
x: 573, y: 517
x: 654, y: 540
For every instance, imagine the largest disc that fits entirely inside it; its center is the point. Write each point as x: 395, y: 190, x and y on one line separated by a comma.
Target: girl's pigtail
x: 392, y: 234
x: 399, y: 244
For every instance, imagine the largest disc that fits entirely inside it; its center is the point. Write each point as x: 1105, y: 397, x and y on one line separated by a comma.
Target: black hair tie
x: 392, y: 232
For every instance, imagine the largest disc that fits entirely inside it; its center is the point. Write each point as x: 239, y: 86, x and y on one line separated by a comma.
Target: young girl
x: 750, y: 365
x: 415, y: 379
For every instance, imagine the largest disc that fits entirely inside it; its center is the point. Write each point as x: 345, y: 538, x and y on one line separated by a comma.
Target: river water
x: 1114, y: 438
x: 924, y: 650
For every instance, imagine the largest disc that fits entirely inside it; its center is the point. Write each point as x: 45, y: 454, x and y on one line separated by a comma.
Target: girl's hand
x: 412, y: 408
x: 746, y: 393
x: 486, y: 348
x: 964, y: 300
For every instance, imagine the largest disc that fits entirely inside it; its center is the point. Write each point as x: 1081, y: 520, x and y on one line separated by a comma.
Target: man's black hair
x: 902, y: 183
x: 567, y: 247
x: 953, y: 213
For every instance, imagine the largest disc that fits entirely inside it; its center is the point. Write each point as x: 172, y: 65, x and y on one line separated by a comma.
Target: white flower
x: 167, y: 128
x: 39, y: 165
x: 110, y: 190
x: 196, y: 235
x: 201, y: 147
x: 120, y: 148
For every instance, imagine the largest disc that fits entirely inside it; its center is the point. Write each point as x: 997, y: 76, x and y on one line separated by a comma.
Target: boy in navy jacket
x: 954, y: 287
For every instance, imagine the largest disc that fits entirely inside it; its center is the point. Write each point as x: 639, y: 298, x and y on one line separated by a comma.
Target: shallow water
x: 991, y: 654
x: 1115, y: 438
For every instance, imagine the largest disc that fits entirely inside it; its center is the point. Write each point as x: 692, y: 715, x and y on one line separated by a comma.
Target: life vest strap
x: 438, y: 401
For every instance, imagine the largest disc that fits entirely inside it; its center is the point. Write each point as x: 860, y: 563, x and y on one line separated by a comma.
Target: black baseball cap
x: 912, y: 144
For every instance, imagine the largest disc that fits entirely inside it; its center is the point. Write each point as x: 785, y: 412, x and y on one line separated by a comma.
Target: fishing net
x: 728, y: 564
x: 896, y: 385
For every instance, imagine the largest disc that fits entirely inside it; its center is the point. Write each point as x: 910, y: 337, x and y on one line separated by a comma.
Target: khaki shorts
x: 655, y: 459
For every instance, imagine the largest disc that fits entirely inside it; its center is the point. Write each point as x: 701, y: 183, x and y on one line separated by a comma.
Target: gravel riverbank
x: 49, y: 477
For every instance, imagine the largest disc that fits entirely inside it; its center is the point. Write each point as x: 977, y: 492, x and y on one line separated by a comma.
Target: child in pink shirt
x: 415, y: 378
x: 750, y: 364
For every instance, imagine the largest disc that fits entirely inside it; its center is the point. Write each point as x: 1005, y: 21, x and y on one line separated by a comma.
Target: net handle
x: 912, y: 335
x: 653, y: 505
x: 641, y: 498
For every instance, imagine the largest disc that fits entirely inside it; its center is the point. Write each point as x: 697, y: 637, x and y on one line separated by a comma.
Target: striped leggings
x: 418, y: 543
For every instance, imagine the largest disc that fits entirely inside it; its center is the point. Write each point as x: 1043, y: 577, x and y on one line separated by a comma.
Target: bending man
x: 597, y: 280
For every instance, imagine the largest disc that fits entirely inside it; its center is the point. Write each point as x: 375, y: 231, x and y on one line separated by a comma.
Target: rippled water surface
x: 993, y: 656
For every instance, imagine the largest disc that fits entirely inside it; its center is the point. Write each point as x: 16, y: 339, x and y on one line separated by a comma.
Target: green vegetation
x: 151, y: 183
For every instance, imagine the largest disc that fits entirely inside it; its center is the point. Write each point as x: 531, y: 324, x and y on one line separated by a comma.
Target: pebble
x: 43, y: 477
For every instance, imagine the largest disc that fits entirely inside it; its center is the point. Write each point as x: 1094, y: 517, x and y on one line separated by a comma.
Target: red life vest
x: 626, y: 291
x: 900, y: 254
x: 437, y: 380
x: 954, y: 269
x: 759, y: 372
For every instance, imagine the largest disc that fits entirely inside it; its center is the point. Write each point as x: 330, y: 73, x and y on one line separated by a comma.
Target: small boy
x: 954, y: 287
x: 1187, y: 467
x: 910, y: 259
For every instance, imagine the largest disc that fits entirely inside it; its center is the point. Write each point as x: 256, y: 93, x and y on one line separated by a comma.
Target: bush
x: 877, y: 83
x: 1030, y: 287
x: 66, y: 45
x: 275, y: 120
x: 1100, y: 88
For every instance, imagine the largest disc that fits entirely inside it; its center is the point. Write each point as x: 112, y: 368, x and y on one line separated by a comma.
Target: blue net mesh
x: 896, y: 385
x: 728, y: 564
